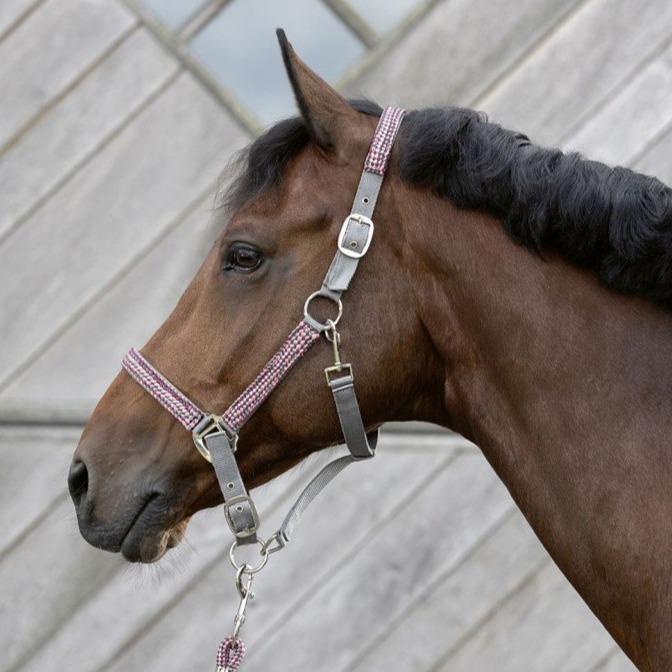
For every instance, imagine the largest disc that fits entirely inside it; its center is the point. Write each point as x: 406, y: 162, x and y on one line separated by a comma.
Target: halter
x: 216, y: 436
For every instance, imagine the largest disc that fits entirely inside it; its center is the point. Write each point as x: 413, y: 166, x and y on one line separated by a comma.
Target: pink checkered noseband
x: 216, y: 436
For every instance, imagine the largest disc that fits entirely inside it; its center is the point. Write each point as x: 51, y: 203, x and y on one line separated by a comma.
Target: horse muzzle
x: 140, y: 523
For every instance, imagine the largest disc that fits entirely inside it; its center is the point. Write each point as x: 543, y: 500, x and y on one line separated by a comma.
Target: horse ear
x: 325, y: 111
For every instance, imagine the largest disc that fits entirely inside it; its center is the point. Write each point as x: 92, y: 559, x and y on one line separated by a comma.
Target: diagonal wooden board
x: 77, y: 126
x: 49, y: 51
x: 108, y: 216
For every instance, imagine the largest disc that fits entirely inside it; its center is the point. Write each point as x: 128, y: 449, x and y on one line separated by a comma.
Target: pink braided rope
x: 181, y: 407
x: 230, y: 654
x: 383, y: 139
x: 189, y: 414
x: 296, y: 345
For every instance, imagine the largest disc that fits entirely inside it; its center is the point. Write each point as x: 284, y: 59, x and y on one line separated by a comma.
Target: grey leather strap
x: 239, y: 510
x: 350, y: 417
x: 355, y: 236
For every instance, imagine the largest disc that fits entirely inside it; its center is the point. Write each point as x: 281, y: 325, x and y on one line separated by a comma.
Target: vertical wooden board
x: 428, y: 535
x: 133, y: 598
x: 658, y: 160
x: 578, y: 66
x: 44, y: 579
x: 12, y: 10
x: 49, y: 51
x: 457, y: 50
x: 78, y: 123
x: 34, y: 465
x: 72, y: 375
x: 632, y: 118
x: 456, y: 603
x: 551, y: 627
x: 107, y: 215
x: 339, y: 523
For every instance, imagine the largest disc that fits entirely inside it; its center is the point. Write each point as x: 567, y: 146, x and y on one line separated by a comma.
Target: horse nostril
x: 78, y: 481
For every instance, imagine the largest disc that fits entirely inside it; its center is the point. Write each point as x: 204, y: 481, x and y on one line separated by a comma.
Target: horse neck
x: 567, y: 389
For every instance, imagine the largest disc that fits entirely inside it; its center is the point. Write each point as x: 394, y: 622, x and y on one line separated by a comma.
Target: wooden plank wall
x: 109, y: 156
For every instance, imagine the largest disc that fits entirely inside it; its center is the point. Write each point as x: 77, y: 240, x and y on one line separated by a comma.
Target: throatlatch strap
x: 360, y: 444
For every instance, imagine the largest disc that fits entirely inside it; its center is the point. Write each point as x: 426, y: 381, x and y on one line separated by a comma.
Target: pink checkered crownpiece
x: 181, y: 407
x: 189, y: 414
x: 383, y: 139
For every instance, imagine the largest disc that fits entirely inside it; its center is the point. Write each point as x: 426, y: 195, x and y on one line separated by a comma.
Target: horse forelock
x: 261, y: 165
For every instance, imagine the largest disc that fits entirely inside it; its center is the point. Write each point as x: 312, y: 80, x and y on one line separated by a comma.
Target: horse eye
x: 243, y: 258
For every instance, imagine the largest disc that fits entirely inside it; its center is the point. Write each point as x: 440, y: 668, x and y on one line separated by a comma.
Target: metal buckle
x: 352, y: 249
x: 337, y: 368
x: 335, y: 340
x: 236, y: 502
x: 209, y: 426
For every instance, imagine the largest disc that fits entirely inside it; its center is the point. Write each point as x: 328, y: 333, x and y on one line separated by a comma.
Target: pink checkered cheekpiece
x: 296, y: 345
x: 381, y: 145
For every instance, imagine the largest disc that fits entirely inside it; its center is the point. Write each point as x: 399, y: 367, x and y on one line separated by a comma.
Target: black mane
x: 613, y: 221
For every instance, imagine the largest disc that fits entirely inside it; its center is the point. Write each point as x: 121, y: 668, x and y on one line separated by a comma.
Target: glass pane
x: 172, y: 13
x: 383, y: 15
x: 240, y: 48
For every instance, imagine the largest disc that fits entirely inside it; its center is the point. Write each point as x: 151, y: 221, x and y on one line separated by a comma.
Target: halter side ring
x: 245, y: 568
x: 322, y: 326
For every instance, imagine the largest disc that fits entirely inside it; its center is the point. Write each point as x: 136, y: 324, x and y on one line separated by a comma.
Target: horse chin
x: 151, y: 546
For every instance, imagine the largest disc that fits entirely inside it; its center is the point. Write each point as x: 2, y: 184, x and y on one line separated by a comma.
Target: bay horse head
x: 136, y: 477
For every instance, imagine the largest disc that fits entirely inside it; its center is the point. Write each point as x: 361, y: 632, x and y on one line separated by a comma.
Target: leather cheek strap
x: 239, y: 510
x: 350, y: 417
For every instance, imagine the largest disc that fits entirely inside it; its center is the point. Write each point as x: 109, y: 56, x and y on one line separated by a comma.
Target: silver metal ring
x: 245, y: 568
x: 314, y: 295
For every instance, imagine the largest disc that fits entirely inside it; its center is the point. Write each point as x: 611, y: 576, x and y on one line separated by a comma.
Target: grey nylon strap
x: 350, y: 417
x: 355, y: 237
x: 312, y: 490
x: 239, y: 510
x: 360, y: 445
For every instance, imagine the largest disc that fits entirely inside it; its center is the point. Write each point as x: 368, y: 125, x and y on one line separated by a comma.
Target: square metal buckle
x: 337, y: 368
x: 348, y: 250
x: 233, y: 503
x: 209, y: 426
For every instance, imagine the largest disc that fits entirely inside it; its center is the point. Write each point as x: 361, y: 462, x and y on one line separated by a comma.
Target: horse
x: 515, y: 294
